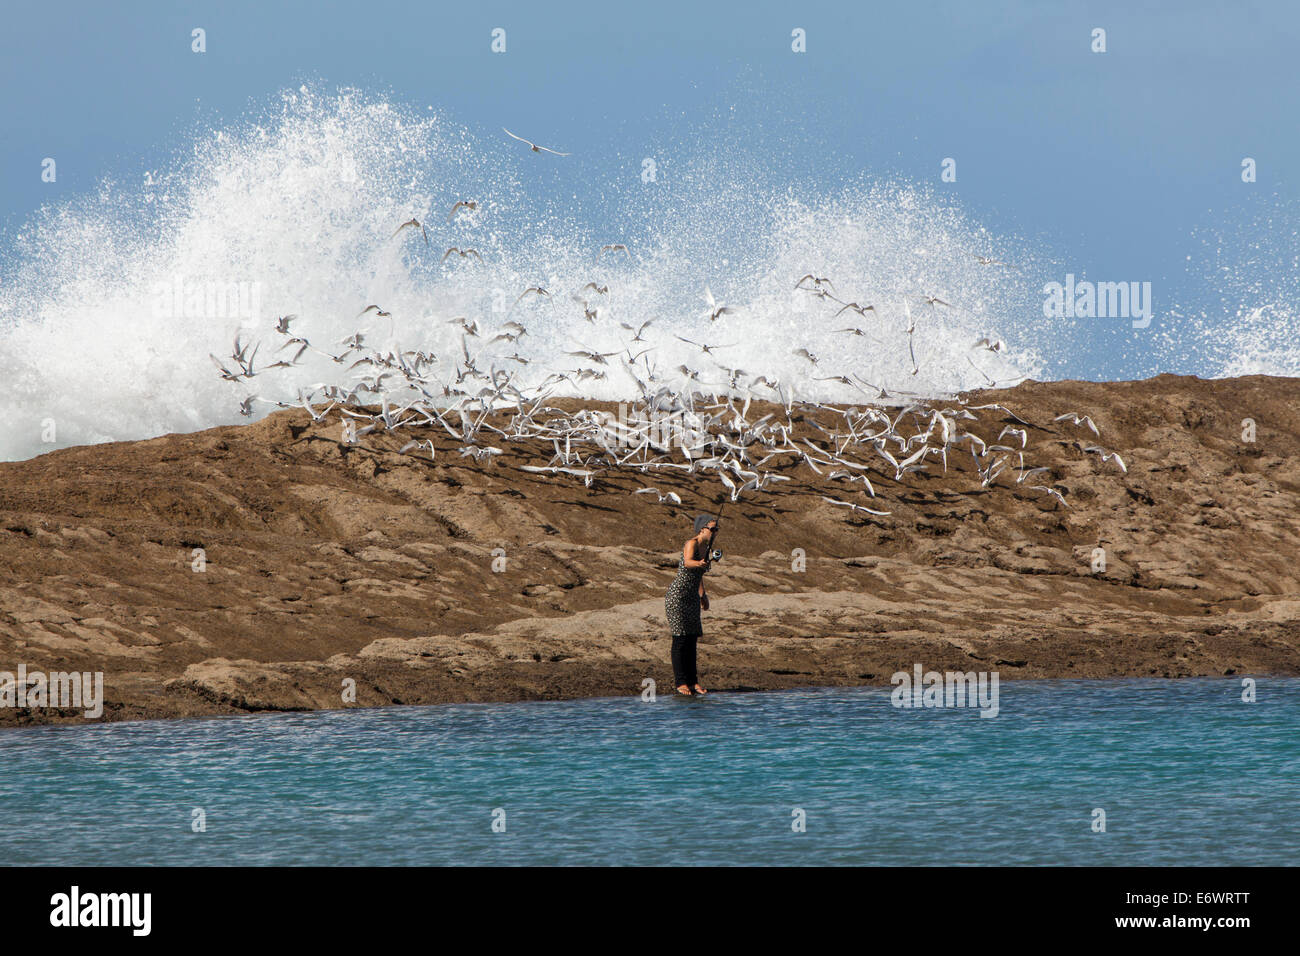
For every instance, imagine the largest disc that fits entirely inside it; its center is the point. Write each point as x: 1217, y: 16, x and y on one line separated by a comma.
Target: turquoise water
x: 1186, y: 772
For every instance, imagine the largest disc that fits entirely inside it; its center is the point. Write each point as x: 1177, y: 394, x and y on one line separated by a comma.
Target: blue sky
x: 1110, y: 161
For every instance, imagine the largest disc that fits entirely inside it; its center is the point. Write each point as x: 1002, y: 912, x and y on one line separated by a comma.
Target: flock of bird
x: 682, y: 421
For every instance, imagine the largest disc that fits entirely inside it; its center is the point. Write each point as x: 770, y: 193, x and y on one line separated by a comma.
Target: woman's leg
x: 680, y: 672
x: 688, y: 660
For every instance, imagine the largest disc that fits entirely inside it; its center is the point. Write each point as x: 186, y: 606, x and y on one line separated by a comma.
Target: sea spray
x: 303, y: 204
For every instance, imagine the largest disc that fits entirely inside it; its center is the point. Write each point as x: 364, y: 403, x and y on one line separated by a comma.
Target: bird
x: 805, y: 354
x: 418, y: 444
x: 715, y: 310
x: 989, y: 261
x: 535, y: 290
x: 1051, y: 491
x: 933, y: 300
x: 463, y: 253
x: 597, y: 357
x: 817, y: 282
x: 1107, y: 456
x: 671, y: 496
x: 226, y: 374
x: 1074, y: 418
x: 480, y: 454
x: 414, y: 224
x: 614, y: 247
x: 1002, y: 408
x: 1030, y: 471
x: 708, y: 349
x: 1024, y: 435
x: 860, y: 309
x: 854, y: 507
x: 469, y: 204
x: 636, y: 337
x: 533, y: 146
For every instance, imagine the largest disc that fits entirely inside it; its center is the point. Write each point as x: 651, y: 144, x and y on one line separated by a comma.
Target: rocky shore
x: 271, y: 566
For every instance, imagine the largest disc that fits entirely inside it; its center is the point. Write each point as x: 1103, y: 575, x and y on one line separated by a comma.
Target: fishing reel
x: 715, y: 555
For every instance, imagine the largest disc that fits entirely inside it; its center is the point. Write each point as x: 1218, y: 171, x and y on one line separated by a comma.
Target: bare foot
x: 684, y: 690
x: 700, y: 690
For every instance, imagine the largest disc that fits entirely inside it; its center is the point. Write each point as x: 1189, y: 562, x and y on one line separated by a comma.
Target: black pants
x: 684, y: 660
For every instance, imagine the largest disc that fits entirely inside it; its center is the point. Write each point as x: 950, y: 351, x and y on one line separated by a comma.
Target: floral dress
x: 682, y: 601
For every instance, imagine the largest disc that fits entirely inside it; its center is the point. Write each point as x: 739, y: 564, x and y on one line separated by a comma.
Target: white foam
x: 302, y: 203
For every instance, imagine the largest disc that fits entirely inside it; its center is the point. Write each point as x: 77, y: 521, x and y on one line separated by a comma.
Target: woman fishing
x: 686, y: 597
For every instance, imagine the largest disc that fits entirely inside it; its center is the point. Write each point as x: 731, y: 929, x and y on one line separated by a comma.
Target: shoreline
x: 721, y: 691
x: 325, y: 562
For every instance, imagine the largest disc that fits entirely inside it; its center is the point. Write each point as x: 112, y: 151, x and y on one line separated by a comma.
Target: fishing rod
x: 716, y: 554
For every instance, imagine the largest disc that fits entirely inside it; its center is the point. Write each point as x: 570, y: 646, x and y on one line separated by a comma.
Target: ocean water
x: 1185, y: 771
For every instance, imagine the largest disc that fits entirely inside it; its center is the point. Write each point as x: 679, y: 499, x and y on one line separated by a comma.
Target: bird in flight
x: 531, y: 145
x: 805, y: 354
x: 672, y: 496
x: 990, y: 261
x: 708, y: 349
x: 818, y: 282
x: 469, y: 204
x: 414, y: 224
x: 853, y: 507
x: 1050, y: 491
x: 1075, y: 418
x: 1107, y: 456
x: 535, y: 290
x: 463, y: 253
x: 716, y: 310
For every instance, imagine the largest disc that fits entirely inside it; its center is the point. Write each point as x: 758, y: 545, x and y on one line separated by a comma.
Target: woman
x: 686, y: 597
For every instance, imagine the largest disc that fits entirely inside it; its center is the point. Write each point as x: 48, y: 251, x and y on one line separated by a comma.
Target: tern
x: 469, y: 204
x: 671, y: 496
x: 715, y: 310
x: 463, y: 253
x: 854, y: 507
x: 860, y: 309
x: 414, y: 224
x: 817, y: 281
x: 1074, y: 418
x: 708, y: 349
x: 533, y: 146
x: 1107, y: 456
x: 1051, y: 491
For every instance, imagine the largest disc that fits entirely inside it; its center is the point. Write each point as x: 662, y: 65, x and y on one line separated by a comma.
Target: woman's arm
x: 688, y: 558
